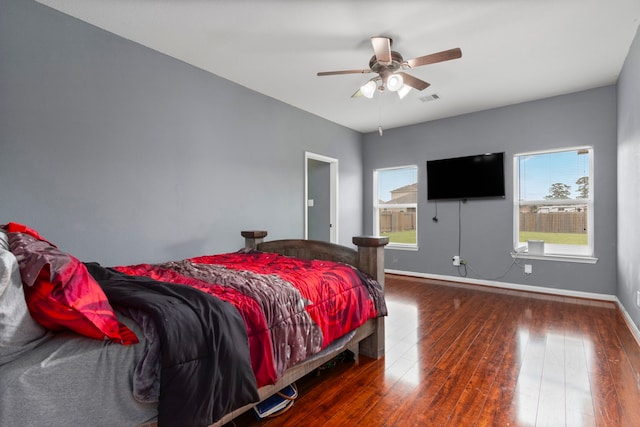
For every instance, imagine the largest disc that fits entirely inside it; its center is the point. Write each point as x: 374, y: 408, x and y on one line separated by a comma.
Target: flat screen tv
x: 480, y: 176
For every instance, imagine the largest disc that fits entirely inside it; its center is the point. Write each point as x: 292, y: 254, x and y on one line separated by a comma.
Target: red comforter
x: 292, y: 307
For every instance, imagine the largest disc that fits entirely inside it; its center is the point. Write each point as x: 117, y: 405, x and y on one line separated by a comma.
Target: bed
x: 54, y: 375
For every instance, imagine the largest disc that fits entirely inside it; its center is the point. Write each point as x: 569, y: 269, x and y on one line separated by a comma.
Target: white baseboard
x: 629, y: 321
x: 512, y: 286
x: 528, y: 288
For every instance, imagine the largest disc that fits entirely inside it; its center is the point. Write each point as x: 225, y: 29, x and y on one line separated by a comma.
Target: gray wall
x: 120, y: 154
x: 629, y: 182
x: 585, y: 118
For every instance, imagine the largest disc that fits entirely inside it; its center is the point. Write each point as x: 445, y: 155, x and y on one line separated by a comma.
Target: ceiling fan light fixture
x: 368, y: 89
x: 389, y: 66
x: 403, y: 91
x: 394, y: 82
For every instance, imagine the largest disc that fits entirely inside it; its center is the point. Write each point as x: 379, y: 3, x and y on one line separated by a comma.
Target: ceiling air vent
x: 432, y: 97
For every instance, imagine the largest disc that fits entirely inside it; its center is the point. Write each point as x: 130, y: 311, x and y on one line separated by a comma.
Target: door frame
x: 333, y: 193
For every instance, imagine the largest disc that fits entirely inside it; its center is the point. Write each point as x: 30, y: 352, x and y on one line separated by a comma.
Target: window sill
x: 401, y: 247
x: 556, y: 257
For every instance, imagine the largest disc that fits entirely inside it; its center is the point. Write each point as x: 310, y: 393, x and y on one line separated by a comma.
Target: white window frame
x: 377, y: 206
x: 578, y: 253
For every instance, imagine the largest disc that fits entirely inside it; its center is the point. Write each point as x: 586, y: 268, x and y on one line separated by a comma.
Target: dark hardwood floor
x: 463, y: 355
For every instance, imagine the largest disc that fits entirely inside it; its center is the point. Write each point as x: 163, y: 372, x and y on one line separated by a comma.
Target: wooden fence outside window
x: 554, y: 222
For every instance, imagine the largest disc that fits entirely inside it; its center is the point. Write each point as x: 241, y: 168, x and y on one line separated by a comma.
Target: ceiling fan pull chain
x: 380, y: 131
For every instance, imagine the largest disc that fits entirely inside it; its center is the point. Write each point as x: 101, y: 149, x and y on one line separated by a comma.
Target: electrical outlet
x: 528, y: 269
x: 456, y: 261
x: 638, y: 299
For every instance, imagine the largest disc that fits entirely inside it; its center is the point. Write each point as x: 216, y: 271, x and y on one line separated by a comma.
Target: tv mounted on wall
x: 480, y: 176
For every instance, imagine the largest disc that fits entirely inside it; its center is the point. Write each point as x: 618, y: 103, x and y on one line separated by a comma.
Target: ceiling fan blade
x: 382, y: 49
x: 433, y: 58
x: 334, y: 73
x: 414, y: 82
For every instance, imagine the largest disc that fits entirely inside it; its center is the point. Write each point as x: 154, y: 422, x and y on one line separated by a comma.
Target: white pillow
x: 4, y: 240
x: 18, y: 331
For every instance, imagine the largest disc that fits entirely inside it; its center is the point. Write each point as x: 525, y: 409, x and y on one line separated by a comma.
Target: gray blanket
x: 71, y: 380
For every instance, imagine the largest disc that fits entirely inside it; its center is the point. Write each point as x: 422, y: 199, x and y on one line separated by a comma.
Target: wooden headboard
x: 369, y: 257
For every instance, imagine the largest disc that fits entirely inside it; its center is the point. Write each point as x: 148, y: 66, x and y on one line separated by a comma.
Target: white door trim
x: 333, y: 193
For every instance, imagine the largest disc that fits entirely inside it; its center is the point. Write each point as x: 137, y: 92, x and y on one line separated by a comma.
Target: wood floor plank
x: 623, y: 374
x: 578, y: 401
x: 464, y: 355
x: 607, y: 409
x: 436, y: 365
x: 513, y: 399
x: 448, y: 397
x: 473, y: 398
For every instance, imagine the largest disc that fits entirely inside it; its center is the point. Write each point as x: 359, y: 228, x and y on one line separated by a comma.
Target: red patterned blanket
x: 292, y: 307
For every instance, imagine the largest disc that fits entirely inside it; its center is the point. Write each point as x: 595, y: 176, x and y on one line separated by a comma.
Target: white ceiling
x: 512, y: 50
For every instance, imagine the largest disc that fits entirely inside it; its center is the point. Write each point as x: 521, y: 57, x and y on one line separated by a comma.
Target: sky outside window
x: 539, y: 171
x: 390, y: 179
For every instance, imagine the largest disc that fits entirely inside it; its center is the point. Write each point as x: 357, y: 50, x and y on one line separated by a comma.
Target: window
x: 553, y: 201
x: 395, y: 205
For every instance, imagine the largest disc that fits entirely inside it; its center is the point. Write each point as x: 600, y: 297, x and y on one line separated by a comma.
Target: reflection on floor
x: 465, y: 355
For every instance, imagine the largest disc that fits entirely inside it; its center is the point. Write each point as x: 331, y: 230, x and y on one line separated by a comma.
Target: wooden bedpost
x: 371, y: 261
x: 371, y: 255
x: 252, y: 238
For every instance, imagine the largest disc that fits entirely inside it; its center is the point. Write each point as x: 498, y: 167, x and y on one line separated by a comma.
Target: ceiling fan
x: 390, y: 66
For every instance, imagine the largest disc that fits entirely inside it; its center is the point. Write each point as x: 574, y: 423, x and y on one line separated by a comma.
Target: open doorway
x: 320, y: 197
